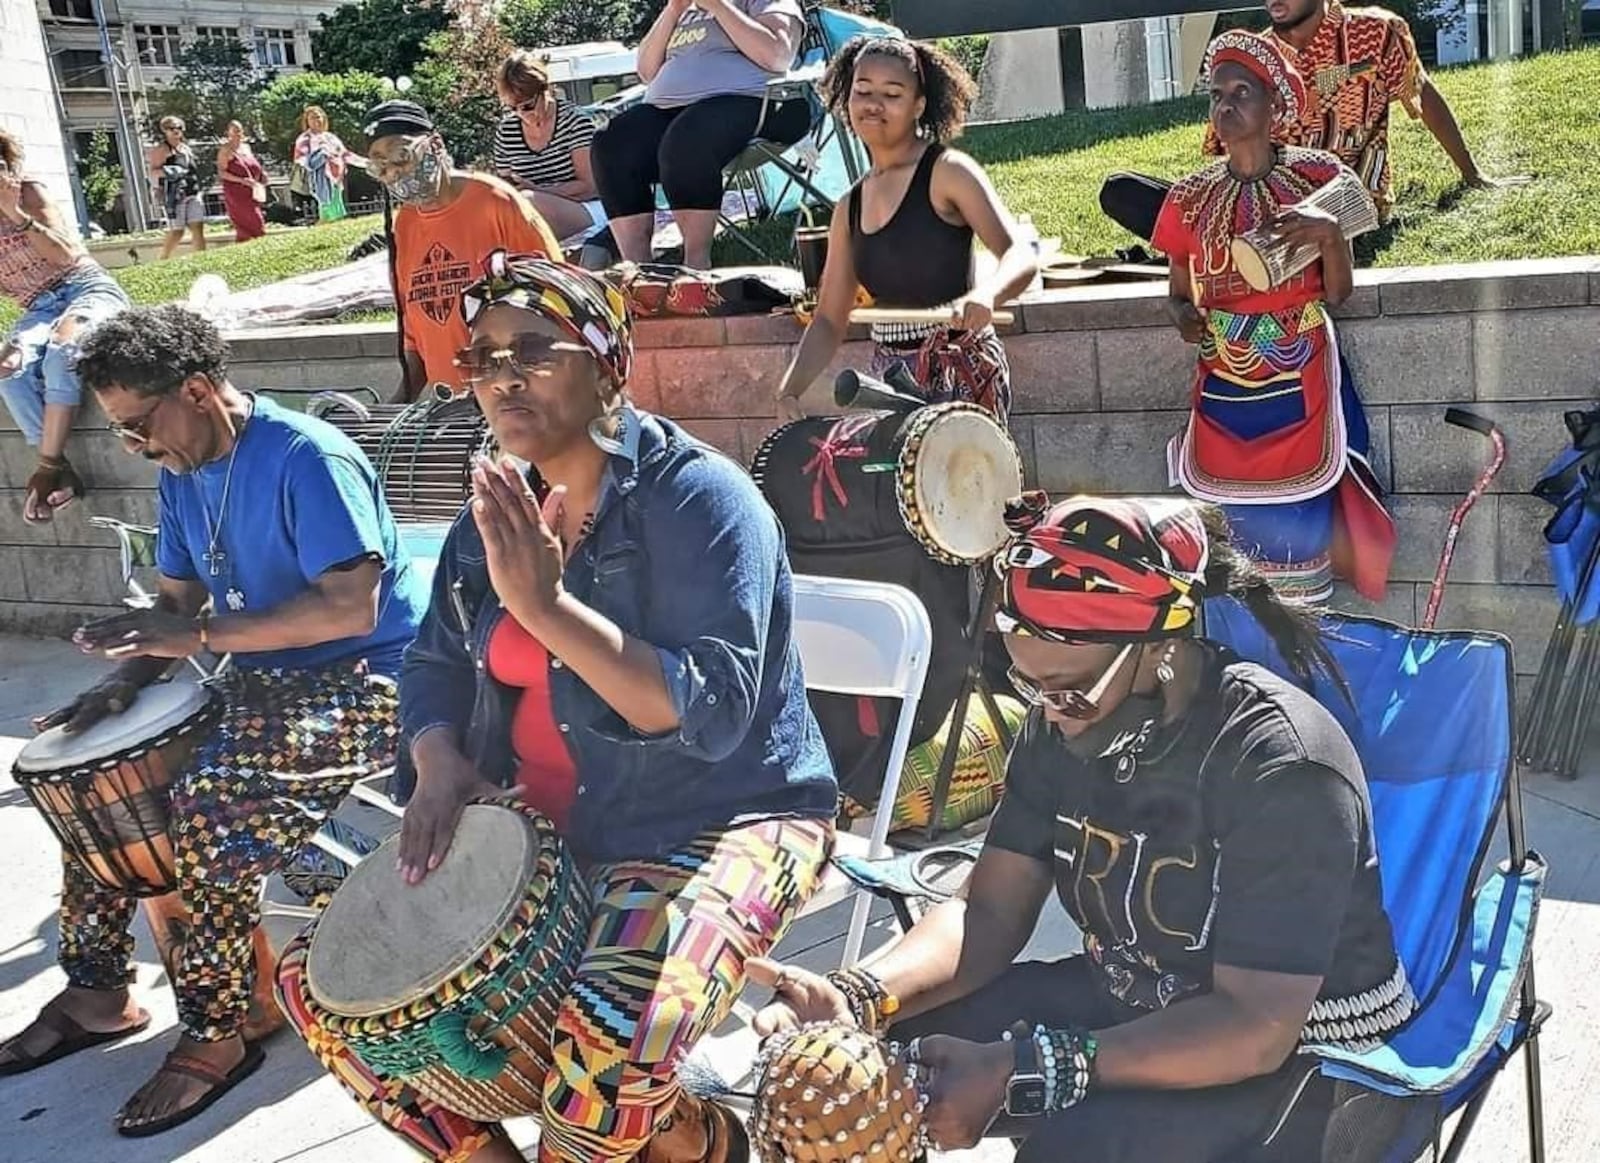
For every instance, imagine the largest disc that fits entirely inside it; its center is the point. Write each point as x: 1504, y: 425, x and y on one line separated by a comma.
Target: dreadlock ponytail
x: 1293, y: 628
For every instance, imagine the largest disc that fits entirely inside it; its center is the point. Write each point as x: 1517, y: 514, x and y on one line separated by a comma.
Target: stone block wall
x: 1100, y: 383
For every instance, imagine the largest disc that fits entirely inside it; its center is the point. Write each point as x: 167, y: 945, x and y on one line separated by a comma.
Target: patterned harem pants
x: 283, y: 757
x: 664, y: 965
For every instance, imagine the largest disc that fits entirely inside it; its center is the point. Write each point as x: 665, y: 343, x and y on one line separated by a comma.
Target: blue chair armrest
x: 1476, y: 1005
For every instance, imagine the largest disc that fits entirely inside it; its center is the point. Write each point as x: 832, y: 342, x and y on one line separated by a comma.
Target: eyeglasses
x: 1074, y: 704
x: 528, y: 355
x: 137, y: 430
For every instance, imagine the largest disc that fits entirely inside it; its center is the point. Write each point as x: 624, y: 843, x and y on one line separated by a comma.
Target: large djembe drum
x: 832, y: 1093
x: 423, y: 451
x: 104, y: 791
x: 1266, y: 260
x: 453, y: 985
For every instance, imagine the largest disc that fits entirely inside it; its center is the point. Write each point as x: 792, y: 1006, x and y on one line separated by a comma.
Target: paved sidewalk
x: 291, y: 1111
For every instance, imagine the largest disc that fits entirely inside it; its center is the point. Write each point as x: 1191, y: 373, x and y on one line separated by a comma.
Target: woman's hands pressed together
x: 525, y: 555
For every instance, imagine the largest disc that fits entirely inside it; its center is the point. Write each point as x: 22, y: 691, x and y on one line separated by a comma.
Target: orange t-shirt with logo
x: 438, y: 253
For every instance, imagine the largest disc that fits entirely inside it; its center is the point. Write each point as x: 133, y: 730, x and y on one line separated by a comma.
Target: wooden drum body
x: 453, y: 985
x: 1265, y: 261
x: 104, y: 792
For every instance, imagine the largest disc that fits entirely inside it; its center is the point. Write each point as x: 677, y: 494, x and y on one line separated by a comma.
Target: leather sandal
x: 676, y: 1140
x: 70, y: 1038
x: 219, y: 1081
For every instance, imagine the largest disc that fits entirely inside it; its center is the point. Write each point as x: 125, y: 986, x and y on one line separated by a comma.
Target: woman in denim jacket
x: 616, y: 647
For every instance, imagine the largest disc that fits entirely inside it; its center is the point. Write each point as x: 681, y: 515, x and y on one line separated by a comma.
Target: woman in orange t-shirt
x: 1276, y: 432
x: 449, y: 221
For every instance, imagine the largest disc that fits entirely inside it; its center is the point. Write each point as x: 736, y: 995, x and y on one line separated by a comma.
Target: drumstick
x: 916, y: 315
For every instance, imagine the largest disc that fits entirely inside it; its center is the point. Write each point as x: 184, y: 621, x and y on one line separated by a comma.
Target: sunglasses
x: 527, y: 355
x: 1074, y: 704
x: 531, y: 105
x: 138, y: 430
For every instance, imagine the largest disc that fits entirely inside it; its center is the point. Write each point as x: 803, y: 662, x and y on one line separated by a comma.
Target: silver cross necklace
x: 215, y: 557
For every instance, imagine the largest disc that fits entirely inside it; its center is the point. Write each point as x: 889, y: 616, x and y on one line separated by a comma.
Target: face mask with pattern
x: 425, y: 181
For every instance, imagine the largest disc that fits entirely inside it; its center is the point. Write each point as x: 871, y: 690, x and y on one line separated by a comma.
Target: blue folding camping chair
x: 1432, y: 720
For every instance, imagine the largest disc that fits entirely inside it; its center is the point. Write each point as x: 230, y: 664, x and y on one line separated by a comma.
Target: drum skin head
x: 1250, y: 265
x: 159, y: 708
x: 382, y: 943
x: 967, y: 469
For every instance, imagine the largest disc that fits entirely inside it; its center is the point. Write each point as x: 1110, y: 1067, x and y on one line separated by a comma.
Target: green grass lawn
x: 1538, y: 116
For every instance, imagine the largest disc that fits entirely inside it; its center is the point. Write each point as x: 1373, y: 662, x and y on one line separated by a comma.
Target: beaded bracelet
x: 1068, y: 1059
x: 869, y: 1001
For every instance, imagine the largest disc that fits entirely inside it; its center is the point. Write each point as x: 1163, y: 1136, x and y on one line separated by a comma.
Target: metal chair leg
x: 1530, y: 1066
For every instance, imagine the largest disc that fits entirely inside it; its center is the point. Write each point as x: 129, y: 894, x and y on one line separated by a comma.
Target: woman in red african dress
x: 1276, y: 432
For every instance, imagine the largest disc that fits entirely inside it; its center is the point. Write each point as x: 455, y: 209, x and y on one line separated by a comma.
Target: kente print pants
x: 284, y: 755
x: 664, y: 965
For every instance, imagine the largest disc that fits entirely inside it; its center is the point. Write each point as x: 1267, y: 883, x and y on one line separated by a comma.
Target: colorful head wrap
x: 1101, y: 569
x: 1264, y: 57
x: 590, y: 310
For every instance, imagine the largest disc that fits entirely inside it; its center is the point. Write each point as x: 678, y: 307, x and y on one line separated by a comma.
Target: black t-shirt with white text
x: 1240, y: 836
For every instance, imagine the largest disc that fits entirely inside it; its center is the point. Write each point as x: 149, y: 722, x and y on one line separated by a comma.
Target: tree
x: 344, y: 97
x: 383, y: 37
x: 217, y: 82
x: 547, y: 23
x: 99, y: 173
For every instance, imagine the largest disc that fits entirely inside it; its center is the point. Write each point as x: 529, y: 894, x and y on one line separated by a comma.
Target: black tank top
x: 917, y: 259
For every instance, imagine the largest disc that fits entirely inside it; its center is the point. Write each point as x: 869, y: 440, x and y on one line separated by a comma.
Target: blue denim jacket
x: 686, y: 555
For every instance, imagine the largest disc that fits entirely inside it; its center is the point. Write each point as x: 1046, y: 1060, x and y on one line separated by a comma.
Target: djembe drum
x: 948, y: 469
x: 832, y: 1093
x: 104, y: 791
x: 453, y: 985
x: 1266, y: 260
x: 423, y: 452
x: 105, y: 794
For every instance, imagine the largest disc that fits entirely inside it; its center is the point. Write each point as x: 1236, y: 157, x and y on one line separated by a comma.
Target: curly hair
x: 10, y: 151
x: 151, y: 351
x: 945, y: 85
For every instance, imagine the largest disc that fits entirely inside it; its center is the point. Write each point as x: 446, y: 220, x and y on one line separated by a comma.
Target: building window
x: 157, y: 44
x: 80, y: 68
x: 217, y: 32
x: 73, y: 9
x: 275, y: 48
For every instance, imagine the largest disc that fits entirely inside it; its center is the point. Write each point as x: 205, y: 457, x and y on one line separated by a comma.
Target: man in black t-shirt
x: 1204, y: 822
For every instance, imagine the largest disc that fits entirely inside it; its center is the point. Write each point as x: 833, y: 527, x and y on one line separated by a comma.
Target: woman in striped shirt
x: 541, y: 146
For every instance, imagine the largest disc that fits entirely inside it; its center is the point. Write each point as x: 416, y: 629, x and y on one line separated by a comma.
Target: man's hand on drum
x: 520, y: 539
x: 446, y: 783
x: 110, y: 696
x: 1308, y: 226
x: 154, y: 633
x: 799, y: 996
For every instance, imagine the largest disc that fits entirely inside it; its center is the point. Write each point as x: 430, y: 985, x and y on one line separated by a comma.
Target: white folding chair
x: 870, y: 639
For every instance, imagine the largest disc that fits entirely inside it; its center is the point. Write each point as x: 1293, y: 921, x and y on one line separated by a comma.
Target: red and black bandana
x: 1101, y: 569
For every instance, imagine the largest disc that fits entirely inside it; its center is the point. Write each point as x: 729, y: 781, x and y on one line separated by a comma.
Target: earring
x: 921, y: 131
x: 1164, y: 673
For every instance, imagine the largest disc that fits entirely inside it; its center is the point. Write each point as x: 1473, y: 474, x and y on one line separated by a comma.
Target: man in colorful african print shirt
x: 1356, y: 62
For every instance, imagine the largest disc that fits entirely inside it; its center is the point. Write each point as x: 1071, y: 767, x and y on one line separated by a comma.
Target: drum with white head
x: 104, y: 791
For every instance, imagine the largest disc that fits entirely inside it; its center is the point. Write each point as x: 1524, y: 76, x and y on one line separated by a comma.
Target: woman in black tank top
x: 906, y: 229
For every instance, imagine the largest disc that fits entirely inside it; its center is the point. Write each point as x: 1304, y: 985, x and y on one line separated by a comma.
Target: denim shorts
x: 48, y: 373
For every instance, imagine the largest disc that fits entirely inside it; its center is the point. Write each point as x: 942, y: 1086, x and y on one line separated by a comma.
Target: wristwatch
x: 1026, y: 1096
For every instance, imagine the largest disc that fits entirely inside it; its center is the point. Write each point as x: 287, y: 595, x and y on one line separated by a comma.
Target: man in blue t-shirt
x: 276, y: 547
